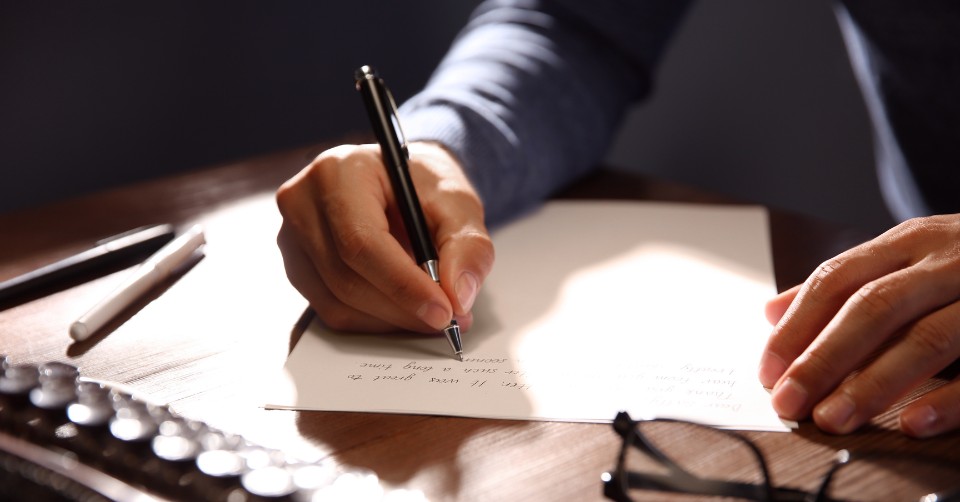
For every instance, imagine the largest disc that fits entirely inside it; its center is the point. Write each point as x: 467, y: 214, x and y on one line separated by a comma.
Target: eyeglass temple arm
x: 716, y: 488
x: 680, y: 480
x: 625, y: 427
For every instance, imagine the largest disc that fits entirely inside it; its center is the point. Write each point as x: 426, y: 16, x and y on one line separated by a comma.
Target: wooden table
x: 207, y: 340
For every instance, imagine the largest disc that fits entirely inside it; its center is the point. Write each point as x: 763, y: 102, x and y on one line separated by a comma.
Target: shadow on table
x: 400, y: 447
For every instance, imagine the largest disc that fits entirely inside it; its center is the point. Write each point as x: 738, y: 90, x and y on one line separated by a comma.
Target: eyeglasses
x: 674, y: 459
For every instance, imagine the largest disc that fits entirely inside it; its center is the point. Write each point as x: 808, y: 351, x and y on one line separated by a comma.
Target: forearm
x: 529, y: 96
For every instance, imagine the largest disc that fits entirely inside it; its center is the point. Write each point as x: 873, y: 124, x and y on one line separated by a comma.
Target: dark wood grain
x: 209, y: 340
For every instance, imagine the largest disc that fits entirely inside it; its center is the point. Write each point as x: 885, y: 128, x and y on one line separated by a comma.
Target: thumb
x: 466, y: 260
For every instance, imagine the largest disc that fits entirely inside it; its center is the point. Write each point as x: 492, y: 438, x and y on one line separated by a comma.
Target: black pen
x: 382, y: 110
x: 107, y: 251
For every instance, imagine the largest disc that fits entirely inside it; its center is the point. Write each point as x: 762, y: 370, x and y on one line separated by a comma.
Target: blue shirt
x: 532, y: 91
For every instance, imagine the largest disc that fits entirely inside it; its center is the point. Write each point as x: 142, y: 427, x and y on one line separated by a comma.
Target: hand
x: 344, y: 245
x: 889, y: 308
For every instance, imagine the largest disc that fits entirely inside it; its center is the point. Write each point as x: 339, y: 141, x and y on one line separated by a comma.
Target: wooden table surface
x: 208, y: 340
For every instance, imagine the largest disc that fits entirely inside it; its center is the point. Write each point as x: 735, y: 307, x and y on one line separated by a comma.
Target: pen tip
x: 453, y: 336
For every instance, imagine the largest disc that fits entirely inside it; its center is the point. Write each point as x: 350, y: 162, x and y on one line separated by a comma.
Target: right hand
x: 344, y: 245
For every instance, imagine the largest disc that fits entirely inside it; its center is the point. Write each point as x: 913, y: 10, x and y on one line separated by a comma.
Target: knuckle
x: 933, y: 337
x: 481, y: 244
x: 352, y: 242
x: 872, y: 391
x: 940, y: 228
x: 304, y: 189
x: 870, y: 385
x: 285, y: 193
x: 817, y: 365
x: 913, y: 227
x: 400, y: 291
x: 345, y: 290
x: 288, y: 197
x: 876, y: 299
x: 922, y: 228
x: 335, y: 156
x: 828, y: 273
x: 322, y: 174
x: 326, y: 170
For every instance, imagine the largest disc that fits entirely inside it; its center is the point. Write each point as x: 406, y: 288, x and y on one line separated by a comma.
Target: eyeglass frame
x: 617, y: 484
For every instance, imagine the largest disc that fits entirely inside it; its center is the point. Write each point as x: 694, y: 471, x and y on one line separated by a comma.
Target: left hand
x: 889, y: 308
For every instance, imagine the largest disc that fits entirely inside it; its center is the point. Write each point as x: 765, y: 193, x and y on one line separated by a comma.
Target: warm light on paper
x: 592, y: 307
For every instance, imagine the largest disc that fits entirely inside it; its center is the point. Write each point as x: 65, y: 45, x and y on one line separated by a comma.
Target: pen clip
x: 380, y: 93
x: 395, y: 118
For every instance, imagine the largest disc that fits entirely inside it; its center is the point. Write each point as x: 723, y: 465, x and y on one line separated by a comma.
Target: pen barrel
x: 378, y: 105
x: 133, y: 288
x: 115, y: 250
x: 148, y: 275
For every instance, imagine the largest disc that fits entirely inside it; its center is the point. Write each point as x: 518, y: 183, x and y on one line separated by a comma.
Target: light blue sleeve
x: 530, y: 94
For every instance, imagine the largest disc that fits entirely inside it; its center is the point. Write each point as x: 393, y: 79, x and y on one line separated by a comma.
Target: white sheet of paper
x: 592, y: 307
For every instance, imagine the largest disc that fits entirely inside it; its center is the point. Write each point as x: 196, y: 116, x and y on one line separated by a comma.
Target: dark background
x: 755, y: 99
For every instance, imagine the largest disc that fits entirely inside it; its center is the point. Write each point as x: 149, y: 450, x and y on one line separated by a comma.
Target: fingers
x: 778, y: 305
x: 371, y: 270
x: 934, y: 413
x: 343, y: 244
x: 771, y: 365
x: 818, y: 301
x: 304, y: 277
x: 927, y: 347
x: 870, y: 318
x: 335, y: 212
x: 883, y: 312
x: 463, y: 242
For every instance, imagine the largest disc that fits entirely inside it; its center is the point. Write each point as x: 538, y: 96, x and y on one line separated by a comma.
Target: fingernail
x: 771, y: 369
x: 466, y: 289
x: 836, y: 413
x: 789, y: 399
x: 434, y: 315
x: 919, y: 421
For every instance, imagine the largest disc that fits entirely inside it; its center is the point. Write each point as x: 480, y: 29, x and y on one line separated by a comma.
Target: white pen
x: 148, y: 275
